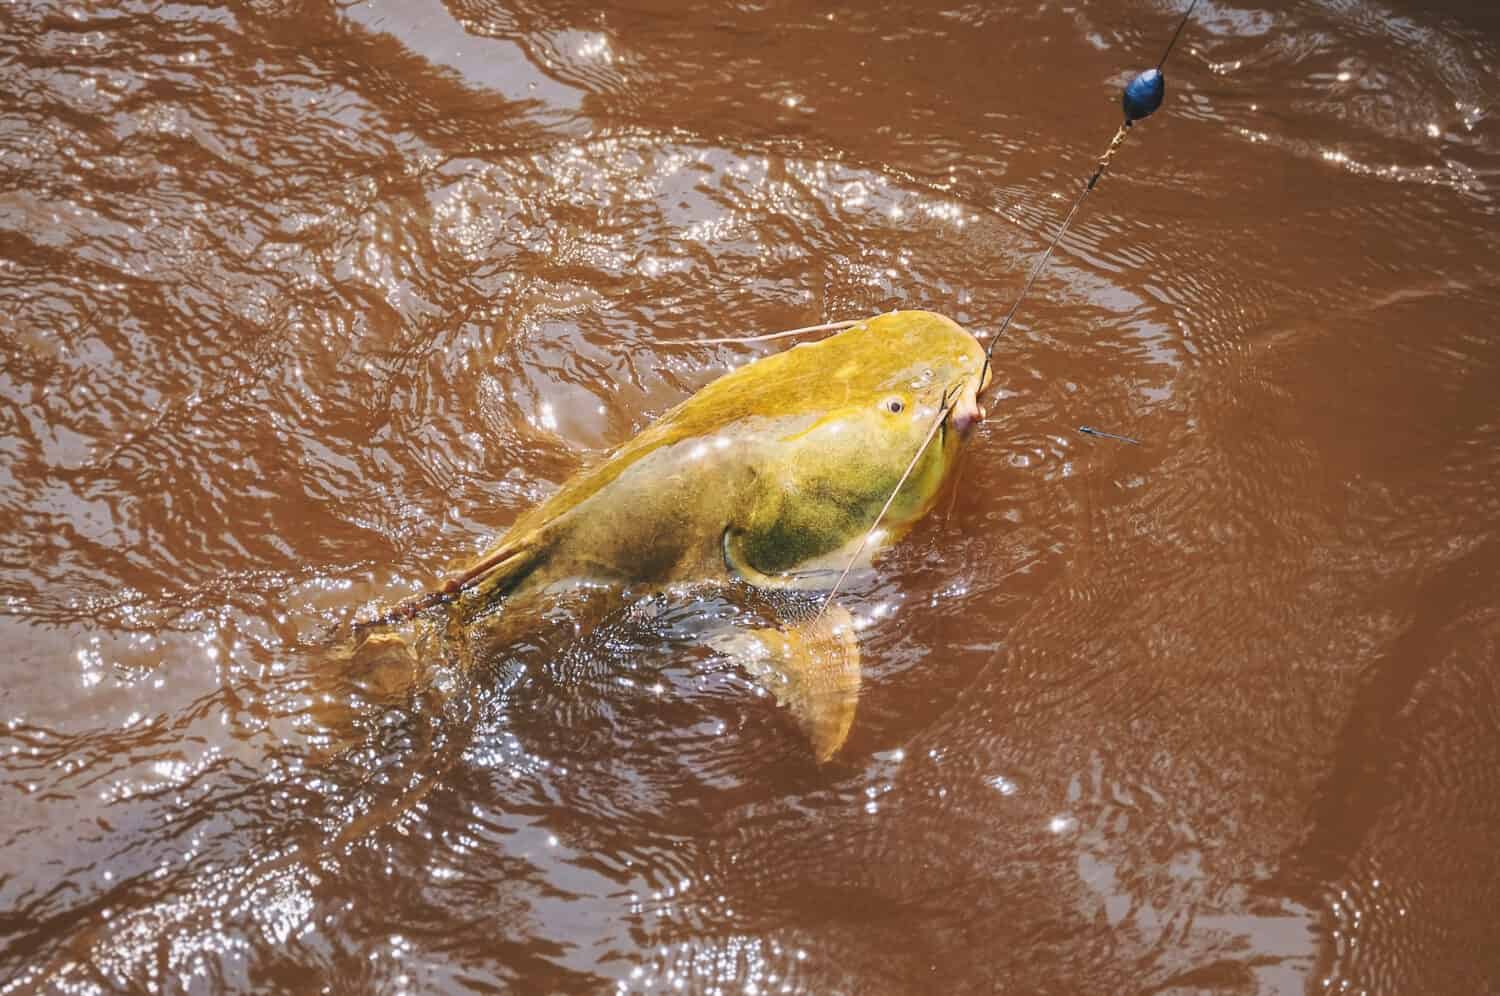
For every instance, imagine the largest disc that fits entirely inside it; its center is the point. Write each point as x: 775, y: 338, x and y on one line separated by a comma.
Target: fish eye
x: 893, y: 405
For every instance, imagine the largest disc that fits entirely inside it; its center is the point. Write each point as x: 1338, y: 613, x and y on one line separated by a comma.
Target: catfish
x: 779, y: 475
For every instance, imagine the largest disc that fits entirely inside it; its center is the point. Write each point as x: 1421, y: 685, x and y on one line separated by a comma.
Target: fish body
x: 773, y: 474
x: 768, y: 473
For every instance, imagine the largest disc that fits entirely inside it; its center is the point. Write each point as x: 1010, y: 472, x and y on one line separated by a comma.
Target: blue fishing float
x: 1142, y: 96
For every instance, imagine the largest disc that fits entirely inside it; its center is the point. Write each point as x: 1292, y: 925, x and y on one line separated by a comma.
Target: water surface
x: 299, y: 303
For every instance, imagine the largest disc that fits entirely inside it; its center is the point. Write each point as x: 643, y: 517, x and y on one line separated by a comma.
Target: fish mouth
x: 964, y: 419
x: 964, y: 410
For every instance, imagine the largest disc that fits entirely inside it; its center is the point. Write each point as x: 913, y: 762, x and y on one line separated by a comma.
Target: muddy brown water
x: 300, y: 303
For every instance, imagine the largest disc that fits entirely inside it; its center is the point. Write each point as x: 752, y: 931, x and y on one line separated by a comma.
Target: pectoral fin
x: 739, y: 566
x: 812, y: 669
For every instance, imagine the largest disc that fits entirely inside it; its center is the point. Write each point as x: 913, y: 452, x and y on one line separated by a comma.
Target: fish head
x: 908, y: 382
x: 894, y: 396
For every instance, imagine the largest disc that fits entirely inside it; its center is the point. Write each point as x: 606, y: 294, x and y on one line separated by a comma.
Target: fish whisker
x: 827, y: 327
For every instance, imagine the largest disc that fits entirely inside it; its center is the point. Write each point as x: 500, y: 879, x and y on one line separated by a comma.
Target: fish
x: 779, y: 474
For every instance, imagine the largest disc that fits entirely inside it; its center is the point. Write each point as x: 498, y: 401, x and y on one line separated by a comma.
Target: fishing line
x: 1142, y: 96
